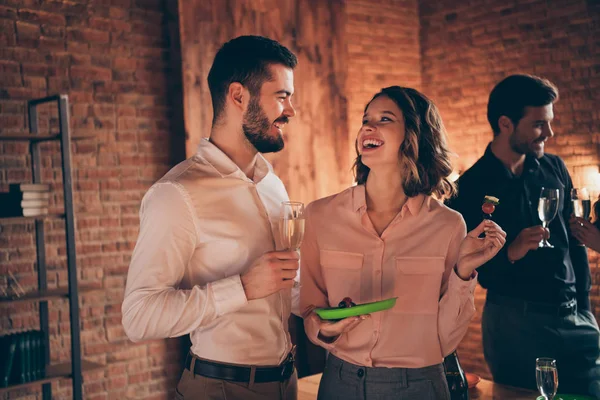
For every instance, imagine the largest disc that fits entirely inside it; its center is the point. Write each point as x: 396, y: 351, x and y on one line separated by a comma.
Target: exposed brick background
x: 112, y: 59
x: 383, y: 50
x: 468, y: 47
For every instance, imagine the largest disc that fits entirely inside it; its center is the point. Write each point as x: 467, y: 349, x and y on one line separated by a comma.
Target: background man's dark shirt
x: 543, y: 275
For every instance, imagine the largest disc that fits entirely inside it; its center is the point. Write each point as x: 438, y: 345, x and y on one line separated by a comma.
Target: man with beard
x: 205, y: 262
x: 537, y: 301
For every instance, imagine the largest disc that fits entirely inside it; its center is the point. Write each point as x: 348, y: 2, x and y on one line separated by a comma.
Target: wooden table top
x: 485, y: 390
x: 488, y: 390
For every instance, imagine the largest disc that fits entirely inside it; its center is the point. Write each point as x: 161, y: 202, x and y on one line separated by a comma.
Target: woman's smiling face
x: 381, y: 133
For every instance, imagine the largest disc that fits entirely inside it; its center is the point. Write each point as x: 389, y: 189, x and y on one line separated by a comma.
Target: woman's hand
x: 585, y: 232
x: 330, y: 331
x: 475, y: 251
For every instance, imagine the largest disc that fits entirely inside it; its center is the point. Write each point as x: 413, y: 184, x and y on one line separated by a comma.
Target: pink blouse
x: 343, y: 256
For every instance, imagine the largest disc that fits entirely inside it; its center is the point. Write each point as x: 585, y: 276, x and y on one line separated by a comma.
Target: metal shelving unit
x: 74, y: 368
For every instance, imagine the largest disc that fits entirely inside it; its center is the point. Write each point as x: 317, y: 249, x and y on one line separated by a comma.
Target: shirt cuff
x: 311, y: 324
x: 328, y: 343
x: 228, y: 294
x: 456, y: 283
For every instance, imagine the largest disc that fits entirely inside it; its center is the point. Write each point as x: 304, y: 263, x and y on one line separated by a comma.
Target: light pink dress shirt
x: 414, y: 259
x: 201, y: 226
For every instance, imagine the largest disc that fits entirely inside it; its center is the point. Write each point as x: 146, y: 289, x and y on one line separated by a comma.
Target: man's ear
x: 506, y: 125
x: 238, y: 96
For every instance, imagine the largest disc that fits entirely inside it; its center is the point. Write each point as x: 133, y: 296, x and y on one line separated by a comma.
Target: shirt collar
x: 359, y: 201
x: 496, y: 167
x: 226, y: 168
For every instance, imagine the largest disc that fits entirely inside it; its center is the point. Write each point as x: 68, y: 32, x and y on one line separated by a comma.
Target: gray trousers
x: 346, y: 381
x: 513, y: 339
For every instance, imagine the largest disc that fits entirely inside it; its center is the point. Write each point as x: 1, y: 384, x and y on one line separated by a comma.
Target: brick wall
x: 467, y: 49
x: 383, y: 50
x: 112, y: 59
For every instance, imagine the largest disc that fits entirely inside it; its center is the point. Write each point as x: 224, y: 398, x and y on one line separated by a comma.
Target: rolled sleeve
x: 460, y: 287
x: 457, y: 303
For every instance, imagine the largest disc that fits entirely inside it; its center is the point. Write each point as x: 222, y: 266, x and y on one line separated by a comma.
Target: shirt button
x: 360, y: 373
x: 377, y: 271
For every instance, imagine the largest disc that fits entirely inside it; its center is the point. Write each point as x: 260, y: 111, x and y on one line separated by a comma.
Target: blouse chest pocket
x: 417, y: 284
x: 342, y: 275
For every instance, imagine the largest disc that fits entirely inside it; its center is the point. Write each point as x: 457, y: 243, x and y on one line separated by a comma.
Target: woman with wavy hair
x: 391, y: 236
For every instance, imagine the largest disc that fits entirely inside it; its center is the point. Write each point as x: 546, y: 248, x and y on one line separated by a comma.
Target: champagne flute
x: 582, y: 205
x: 546, y: 377
x: 291, y: 224
x: 547, y: 209
x: 291, y: 227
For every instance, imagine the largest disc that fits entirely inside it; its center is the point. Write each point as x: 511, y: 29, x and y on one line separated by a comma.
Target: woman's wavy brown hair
x: 424, y: 153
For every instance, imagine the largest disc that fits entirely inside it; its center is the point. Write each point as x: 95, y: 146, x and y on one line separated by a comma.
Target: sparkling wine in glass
x: 547, y: 209
x: 291, y: 224
x: 582, y: 204
x: 546, y: 376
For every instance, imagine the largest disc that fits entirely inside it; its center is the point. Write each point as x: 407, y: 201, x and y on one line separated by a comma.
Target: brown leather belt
x: 235, y: 373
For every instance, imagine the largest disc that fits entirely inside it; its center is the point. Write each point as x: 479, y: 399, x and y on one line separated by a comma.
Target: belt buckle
x: 288, y: 367
x: 568, y: 309
x: 290, y: 358
x: 572, y: 307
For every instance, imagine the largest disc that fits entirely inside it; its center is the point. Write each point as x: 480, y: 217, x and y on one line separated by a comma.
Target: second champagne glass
x: 291, y: 224
x: 546, y: 377
x: 582, y: 204
x: 547, y: 209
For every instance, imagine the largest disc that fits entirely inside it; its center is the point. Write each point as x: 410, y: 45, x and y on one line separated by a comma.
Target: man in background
x: 537, y: 301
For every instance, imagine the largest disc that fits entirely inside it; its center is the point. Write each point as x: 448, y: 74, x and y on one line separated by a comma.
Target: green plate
x: 359, y: 309
x: 569, y: 397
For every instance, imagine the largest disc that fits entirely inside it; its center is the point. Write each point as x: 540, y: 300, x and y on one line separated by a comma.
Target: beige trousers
x: 198, y: 387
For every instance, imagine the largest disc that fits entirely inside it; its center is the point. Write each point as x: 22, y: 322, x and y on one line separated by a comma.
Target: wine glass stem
x: 545, y: 226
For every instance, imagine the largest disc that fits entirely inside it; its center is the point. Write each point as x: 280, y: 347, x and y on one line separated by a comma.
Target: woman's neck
x: 384, y: 191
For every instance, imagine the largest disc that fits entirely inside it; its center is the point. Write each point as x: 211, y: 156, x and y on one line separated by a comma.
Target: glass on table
x: 546, y: 376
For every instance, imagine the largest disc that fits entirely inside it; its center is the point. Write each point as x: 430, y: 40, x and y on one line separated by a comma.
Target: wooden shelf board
x: 47, y: 294
x: 27, y: 219
x: 40, y: 137
x: 53, y: 373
